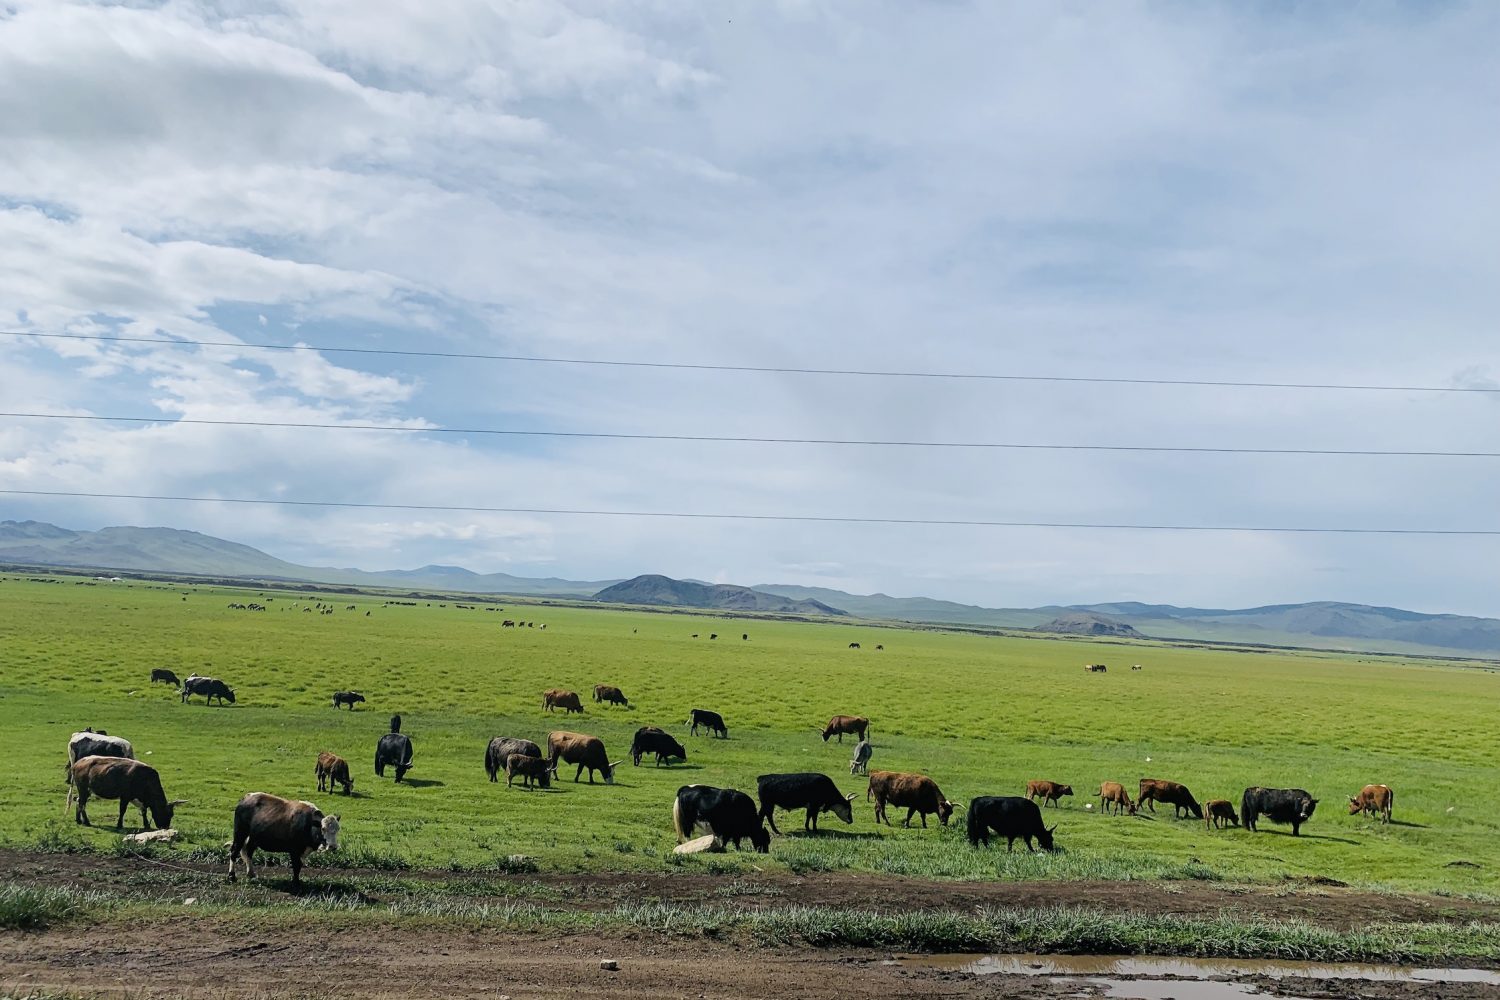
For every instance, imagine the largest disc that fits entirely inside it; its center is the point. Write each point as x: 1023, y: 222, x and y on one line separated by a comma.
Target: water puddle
x: 1189, y: 978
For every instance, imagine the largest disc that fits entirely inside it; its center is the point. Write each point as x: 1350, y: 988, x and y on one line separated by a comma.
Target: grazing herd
x: 101, y: 766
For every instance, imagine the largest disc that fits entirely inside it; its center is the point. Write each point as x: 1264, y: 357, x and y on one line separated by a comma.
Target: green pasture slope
x: 980, y: 714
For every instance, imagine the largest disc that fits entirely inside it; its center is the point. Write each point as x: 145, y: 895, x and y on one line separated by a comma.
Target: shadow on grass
x: 1307, y: 836
x: 423, y: 782
x: 825, y: 833
x: 1402, y: 822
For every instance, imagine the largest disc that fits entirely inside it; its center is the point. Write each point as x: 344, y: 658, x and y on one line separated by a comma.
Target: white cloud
x: 1291, y: 195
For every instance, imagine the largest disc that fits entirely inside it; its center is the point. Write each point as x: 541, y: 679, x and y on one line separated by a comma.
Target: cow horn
x: 850, y: 796
x: 617, y: 763
x: 958, y: 805
x: 1052, y: 828
x: 177, y: 802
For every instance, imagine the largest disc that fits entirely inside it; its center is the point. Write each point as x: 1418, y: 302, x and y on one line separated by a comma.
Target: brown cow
x: 611, y: 694
x: 855, y: 725
x: 333, y: 769
x: 555, y: 698
x: 1049, y: 791
x: 1372, y: 800
x: 268, y: 822
x: 917, y: 792
x: 531, y: 769
x: 1114, y: 793
x: 1169, y: 793
x: 1219, y: 813
x: 583, y: 750
x: 124, y: 779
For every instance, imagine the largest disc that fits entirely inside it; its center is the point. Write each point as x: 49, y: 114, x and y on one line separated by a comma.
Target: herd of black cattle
x: 104, y: 766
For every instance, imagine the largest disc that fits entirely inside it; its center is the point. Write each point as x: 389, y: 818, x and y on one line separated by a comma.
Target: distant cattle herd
x: 101, y: 766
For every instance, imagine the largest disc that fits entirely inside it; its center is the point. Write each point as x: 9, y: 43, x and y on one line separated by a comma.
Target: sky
x: 1267, y: 192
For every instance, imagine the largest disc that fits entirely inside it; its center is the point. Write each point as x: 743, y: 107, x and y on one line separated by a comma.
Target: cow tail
x: 973, y: 825
x: 677, y: 818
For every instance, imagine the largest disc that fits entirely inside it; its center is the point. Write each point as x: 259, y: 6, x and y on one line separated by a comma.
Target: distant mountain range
x: 1322, y: 624
x: 661, y: 590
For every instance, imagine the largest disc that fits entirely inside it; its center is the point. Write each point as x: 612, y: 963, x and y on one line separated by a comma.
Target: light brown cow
x: 917, y: 792
x: 568, y: 701
x: 1048, y: 791
x: 331, y: 770
x: 581, y: 749
x: 1373, y: 800
x: 1219, y: 813
x: 1114, y: 793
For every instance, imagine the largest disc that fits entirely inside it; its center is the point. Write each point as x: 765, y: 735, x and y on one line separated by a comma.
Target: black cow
x: 1010, y: 816
x: 393, y: 749
x: 649, y: 739
x: 209, y: 687
x: 165, y: 676
x: 502, y: 747
x: 1279, y: 805
x: 727, y: 812
x: 712, y: 721
x: 804, y: 790
x: 350, y: 698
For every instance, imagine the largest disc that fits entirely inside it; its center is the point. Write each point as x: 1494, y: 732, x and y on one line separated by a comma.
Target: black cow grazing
x: 331, y: 770
x: 878, y: 646
x: 396, y: 723
x: 610, y: 694
x: 350, y: 698
x: 712, y: 721
x: 501, y: 747
x: 393, y: 749
x: 805, y: 790
x: 91, y: 744
x: 531, y: 769
x: 1009, y: 816
x: 165, y: 676
x: 713, y: 635
x: 1279, y: 805
x: 209, y: 687
x: 649, y: 739
x: 728, y: 813
x: 853, y: 645
x: 270, y: 823
x: 123, y: 779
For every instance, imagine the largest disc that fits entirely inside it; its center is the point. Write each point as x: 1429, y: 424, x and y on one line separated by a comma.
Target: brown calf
x: 1219, y: 813
x: 531, y: 769
x: 1114, y: 793
x: 1048, y: 791
x: 333, y: 769
x: 1373, y: 800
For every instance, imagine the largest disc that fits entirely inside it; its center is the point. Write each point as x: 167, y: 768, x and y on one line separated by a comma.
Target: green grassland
x: 980, y: 714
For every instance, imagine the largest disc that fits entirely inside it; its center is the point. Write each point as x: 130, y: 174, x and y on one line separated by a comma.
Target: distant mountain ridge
x: 1321, y: 624
x: 654, y: 589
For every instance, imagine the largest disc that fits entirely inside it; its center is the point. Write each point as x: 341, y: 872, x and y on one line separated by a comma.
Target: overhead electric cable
x: 764, y: 369
x: 739, y: 439
x: 814, y: 518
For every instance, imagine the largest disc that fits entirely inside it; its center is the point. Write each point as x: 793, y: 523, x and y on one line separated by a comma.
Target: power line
x: 733, y: 439
x: 761, y: 369
x: 814, y: 518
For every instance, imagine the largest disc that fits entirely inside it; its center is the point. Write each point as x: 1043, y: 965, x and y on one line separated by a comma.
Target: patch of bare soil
x: 1326, y: 906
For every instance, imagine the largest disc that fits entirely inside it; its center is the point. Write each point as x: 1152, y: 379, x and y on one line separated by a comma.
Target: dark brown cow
x: 123, y: 779
x: 1114, y: 793
x: 855, y: 725
x: 609, y: 693
x: 1169, y: 793
x: 916, y: 792
x: 1219, y: 813
x: 585, y: 751
x: 531, y: 769
x: 1047, y: 791
x: 333, y: 769
x: 270, y: 823
x: 568, y: 701
x: 1373, y: 800
x: 502, y: 747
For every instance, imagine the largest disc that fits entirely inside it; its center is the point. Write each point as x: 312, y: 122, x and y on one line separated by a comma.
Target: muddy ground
x: 214, y: 955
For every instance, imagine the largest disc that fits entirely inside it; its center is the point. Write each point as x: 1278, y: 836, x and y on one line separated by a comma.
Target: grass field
x: 980, y: 714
